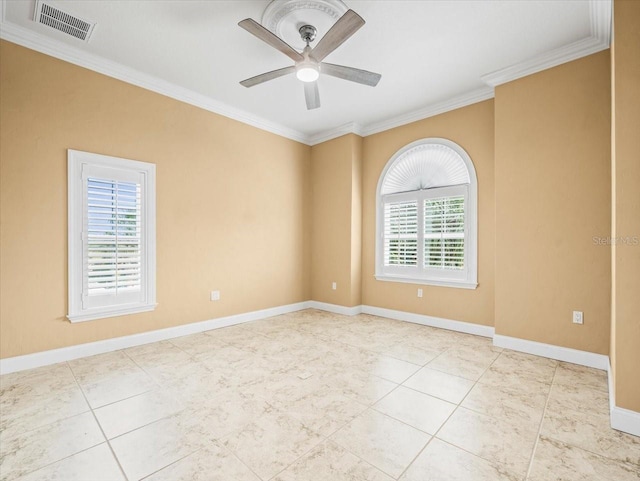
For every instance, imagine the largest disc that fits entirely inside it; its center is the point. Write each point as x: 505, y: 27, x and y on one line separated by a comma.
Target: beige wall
x: 625, y: 353
x: 269, y: 221
x: 233, y: 202
x: 553, y: 189
x: 472, y: 128
x: 335, y: 220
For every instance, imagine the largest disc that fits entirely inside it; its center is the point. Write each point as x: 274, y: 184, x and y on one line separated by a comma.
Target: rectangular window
x: 111, y: 236
x: 424, y: 236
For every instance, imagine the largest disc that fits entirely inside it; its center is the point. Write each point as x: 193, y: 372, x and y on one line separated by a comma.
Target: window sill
x: 428, y: 282
x: 104, y: 313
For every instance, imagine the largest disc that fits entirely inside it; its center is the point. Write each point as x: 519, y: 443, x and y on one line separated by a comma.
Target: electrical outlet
x: 419, y: 292
x: 215, y: 295
x: 334, y: 285
x: 577, y: 317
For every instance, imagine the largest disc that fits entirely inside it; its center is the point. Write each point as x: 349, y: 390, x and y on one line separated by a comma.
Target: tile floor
x: 313, y: 396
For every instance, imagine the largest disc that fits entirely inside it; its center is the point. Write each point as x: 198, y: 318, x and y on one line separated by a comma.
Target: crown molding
x: 35, y: 41
x: 334, y: 133
x: 601, y: 15
x: 600, y: 26
x: 599, y: 39
x: 437, y: 108
x: 556, y: 57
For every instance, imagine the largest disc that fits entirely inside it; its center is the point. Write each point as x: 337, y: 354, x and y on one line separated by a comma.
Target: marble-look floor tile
x: 440, y: 384
x: 212, y: 463
x: 28, y: 405
x: 504, y: 403
x: 587, y: 377
x: 419, y: 410
x: 330, y: 462
x: 432, y: 339
x: 276, y: 327
x: 197, y: 344
x: 522, y: 372
x: 558, y: 461
x: 162, y: 352
x: 174, y: 373
x: 591, y: 432
x: 237, y: 335
x: 563, y: 397
x: 56, y: 376
x: 228, y: 412
x: 132, y: 413
x: 117, y: 387
x: 156, y: 445
x: 392, y: 369
x: 458, y: 364
x: 443, y: 462
x: 498, y: 378
x: 225, y: 355
x: 325, y: 411
x: 377, y: 342
x: 271, y: 442
x: 347, y: 358
x: 412, y: 354
x: 482, y: 352
x: 278, y: 387
x: 103, y: 367
x: 382, y: 441
x: 196, y: 387
x: 28, y: 452
x: 364, y: 389
x: 478, y: 342
x: 95, y: 464
x: 282, y: 388
x: 496, y: 440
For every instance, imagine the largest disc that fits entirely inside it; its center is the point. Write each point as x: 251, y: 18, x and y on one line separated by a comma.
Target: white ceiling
x: 433, y: 55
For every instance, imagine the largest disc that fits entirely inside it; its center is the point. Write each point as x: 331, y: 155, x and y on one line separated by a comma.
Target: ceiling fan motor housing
x: 308, y: 33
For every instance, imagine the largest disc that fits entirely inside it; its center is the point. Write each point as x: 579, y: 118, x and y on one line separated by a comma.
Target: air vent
x: 47, y: 14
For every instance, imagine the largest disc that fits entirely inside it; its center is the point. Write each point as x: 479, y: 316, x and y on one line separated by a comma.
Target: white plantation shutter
x: 401, y: 234
x: 111, y: 236
x: 444, y: 233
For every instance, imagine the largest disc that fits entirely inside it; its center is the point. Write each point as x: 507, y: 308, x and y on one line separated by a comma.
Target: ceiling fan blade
x: 312, y: 95
x: 258, y: 79
x: 349, y: 73
x: 346, y: 26
x: 253, y: 27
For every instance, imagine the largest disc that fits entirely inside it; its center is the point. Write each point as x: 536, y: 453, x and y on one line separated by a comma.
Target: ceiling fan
x: 308, y: 64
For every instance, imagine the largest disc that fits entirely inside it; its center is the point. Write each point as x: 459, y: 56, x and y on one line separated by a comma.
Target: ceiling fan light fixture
x: 307, y: 72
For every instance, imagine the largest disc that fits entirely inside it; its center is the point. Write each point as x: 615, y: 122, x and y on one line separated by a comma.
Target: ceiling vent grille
x: 46, y: 14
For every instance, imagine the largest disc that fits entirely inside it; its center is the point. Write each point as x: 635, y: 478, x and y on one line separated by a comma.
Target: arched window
x: 427, y: 216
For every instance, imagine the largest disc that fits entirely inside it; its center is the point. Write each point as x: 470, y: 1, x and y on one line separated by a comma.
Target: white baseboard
x: 625, y: 420
x: 466, y: 327
x: 44, y: 358
x: 345, y: 311
x: 584, y: 358
x: 622, y: 419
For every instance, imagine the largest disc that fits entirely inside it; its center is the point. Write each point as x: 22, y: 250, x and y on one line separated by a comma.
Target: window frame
x: 115, y: 169
x: 420, y: 275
